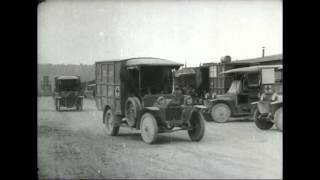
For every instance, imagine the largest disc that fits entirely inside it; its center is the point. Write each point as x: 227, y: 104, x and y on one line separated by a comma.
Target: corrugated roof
x: 275, y: 57
x: 67, y: 77
x: 150, y: 61
x: 251, y: 69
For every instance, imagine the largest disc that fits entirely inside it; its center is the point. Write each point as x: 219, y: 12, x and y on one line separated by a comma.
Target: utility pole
x: 263, y: 51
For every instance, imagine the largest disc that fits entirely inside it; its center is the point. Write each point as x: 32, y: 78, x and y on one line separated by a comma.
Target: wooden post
x: 139, y: 69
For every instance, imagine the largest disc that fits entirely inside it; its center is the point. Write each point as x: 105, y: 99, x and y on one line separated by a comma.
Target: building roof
x: 149, y: 61
x: 276, y: 57
x: 67, y: 77
x: 251, y: 69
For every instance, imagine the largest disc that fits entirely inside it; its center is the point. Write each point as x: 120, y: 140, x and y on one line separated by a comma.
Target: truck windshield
x: 69, y: 85
x: 156, y: 80
x: 235, y: 87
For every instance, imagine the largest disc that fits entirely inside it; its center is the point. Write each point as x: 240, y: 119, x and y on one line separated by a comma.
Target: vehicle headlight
x: 274, y: 97
x: 188, y: 100
x: 160, y: 100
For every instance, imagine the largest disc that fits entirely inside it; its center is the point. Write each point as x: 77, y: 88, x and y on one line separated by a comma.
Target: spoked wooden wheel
x: 112, y: 127
x: 198, y: 127
x: 278, y: 118
x: 220, y: 112
x: 132, y: 109
x: 149, y: 128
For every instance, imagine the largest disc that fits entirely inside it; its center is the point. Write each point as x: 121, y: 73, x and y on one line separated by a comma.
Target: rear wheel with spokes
x: 112, y: 128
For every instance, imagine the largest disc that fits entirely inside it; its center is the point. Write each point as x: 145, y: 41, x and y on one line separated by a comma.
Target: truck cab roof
x: 146, y: 61
x: 67, y: 77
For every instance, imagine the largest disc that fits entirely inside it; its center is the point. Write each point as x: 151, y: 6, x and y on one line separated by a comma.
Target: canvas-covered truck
x: 236, y: 103
x: 138, y: 93
x: 67, y: 92
x: 268, y: 111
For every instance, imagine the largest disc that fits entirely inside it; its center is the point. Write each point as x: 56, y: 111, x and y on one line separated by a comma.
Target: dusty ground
x: 74, y: 145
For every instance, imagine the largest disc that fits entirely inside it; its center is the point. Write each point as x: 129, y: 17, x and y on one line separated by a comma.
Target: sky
x: 191, y: 32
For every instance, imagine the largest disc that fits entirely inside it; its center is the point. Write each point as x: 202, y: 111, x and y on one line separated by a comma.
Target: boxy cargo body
x: 108, y: 84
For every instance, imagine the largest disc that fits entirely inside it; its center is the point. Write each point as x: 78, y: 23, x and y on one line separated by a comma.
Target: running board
x: 169, y: 131
x: 241, y: 118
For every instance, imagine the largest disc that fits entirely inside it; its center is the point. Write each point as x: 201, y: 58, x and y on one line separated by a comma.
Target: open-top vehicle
x: 236, y: 103
x: 268, y: 110
x: 67, y: 92
x: 138, y: 93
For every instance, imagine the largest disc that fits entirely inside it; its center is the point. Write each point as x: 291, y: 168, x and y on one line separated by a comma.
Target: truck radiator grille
x: 173, y: 113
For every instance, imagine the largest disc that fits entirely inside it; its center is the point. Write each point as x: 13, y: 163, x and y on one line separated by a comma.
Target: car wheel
x: 220, y: 112
x: 261, y: 123
x: 112, y: 128
x: 198, y: 127
x: 132, y: 110
x: 278, y: 118
x: 149, y: 128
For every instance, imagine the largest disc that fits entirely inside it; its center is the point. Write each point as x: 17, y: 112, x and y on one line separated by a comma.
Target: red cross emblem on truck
x: 267, y: 88
x: 117, y: 91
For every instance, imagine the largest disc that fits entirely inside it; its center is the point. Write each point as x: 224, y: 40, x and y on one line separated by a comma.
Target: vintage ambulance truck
x: 139, y: 93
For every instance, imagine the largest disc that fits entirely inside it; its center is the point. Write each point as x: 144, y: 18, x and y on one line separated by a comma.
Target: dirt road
x: 74, y: 145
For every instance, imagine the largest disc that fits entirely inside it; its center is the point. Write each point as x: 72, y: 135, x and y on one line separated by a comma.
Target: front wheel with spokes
x: 198, y: 127
x: 149, y: 128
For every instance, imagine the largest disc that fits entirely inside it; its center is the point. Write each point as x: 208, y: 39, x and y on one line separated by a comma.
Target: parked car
x: 138, y: 93
x: 268, y: 110
x: 67, y: 92
x: 236, y: 103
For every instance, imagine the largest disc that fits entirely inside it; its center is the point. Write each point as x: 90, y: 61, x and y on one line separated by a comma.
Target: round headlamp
x: 274, y: 97
x: 188, y: 100
x: 161, y: 100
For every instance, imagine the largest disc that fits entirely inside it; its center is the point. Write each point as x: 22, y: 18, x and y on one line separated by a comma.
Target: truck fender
x: 276, y: 102
x: 200, y: 107
x: 255, y: 103
x: 263, y: 107
x: 195, y: 110
x: 153, y: 110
